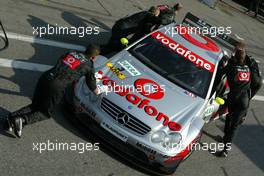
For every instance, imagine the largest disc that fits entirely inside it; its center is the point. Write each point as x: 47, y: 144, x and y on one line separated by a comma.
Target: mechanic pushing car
x: 240, y: 79
x: 168, y: 14
x: 129, y: 25
x: 150, y: 23
x: 51, y: 87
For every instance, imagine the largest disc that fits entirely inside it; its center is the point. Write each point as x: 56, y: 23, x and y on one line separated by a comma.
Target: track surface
x: 17, y: 83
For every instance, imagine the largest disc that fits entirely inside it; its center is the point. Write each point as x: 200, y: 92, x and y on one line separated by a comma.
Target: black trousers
x: 237, y: 112
x: 118, y: 31
x: 48, y: 93
x: 254, y: 5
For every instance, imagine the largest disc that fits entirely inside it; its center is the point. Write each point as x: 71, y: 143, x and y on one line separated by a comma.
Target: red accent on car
x: 141, y: 103
x: 183, y: 51
x: 140, y: 85
x: 183, y: 153
x: 210, y: 45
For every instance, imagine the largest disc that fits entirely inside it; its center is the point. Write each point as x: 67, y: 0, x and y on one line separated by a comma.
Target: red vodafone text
x: 183, y: 51
x: 145, y: 104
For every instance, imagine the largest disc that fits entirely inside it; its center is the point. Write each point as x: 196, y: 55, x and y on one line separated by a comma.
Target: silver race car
x: 157, y: 94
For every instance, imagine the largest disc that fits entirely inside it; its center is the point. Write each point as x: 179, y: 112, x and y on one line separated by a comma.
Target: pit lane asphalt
x: 17, y: 85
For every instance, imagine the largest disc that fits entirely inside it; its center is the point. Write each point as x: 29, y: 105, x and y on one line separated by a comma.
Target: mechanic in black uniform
x: 239, y: 80
x: 168, y: 14
x: 150, y: 23
x: 254, y: 5
x: 51, y: 87
x: 127, y: 26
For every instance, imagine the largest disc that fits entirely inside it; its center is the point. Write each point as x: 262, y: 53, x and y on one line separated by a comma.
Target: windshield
x: 172, y: 66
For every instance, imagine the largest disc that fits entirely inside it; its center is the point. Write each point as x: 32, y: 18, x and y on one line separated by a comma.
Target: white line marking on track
x: 31, y: 39
x: 23, y: 65
x: 41, y: 68
x: 258, y: 97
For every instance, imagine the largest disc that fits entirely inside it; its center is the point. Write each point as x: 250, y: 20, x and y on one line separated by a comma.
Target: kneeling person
x: 51, y: 87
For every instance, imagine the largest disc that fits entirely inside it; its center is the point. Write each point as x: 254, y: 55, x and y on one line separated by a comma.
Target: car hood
x: 177, y: 104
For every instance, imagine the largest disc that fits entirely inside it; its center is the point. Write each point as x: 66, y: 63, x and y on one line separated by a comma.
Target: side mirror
x: 124, y: 41
x: 219, y: 101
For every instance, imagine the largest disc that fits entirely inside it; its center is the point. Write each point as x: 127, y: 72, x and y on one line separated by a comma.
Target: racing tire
x: 191, y: 151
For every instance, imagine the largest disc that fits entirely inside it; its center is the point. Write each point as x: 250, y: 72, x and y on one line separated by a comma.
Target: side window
x: 219, y: 82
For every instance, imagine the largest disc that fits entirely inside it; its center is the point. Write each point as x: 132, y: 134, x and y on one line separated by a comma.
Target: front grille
x: 133, y: 123
x: 125, y: 150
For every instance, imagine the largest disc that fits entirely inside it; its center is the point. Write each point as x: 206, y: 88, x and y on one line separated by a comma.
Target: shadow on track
x: 249, y: 138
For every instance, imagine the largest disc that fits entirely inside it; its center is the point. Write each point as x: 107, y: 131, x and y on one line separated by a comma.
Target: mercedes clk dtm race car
x: 161, y: 90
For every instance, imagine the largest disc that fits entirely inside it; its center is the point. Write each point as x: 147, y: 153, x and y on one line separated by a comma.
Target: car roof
x: 213, y: 57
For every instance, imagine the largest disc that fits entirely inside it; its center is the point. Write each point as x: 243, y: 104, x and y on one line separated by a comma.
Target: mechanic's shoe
x: 8, y: 125
x: 219, y: 138
x: 17, y: 125
x: 223, y: 153
x: 221, y: 113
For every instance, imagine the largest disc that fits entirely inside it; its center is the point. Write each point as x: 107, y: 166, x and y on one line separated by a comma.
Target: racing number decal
x: 209, y: 45
x: 71, y: 61
x: 243, y: 76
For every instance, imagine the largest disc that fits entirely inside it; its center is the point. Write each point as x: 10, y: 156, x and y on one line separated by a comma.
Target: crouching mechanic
x: 239, y: 79
x: 168, y: 14
x: 130, y: 25
x: 51, y: 87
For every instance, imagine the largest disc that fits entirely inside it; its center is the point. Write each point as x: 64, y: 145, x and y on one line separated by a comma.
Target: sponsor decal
x: 129, y: 68
x: 209, y: 45
x: 243, y: 76
x: 114, y: 131
x: 183, y: 51
x: 145, y: 104
x: 190, y: 94
x: 209, y: 110
x: 116, y: 71
x: 71, y: 61
x: 140, y: 84
x: 145, y: 148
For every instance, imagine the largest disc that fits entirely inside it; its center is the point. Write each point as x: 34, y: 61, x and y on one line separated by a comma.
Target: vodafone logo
x: 181, y: 50
x: 140, y: 84
x: 244, y: 76
x: 145, y: 104
x: 209, y: 45
x: 71, y: 61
